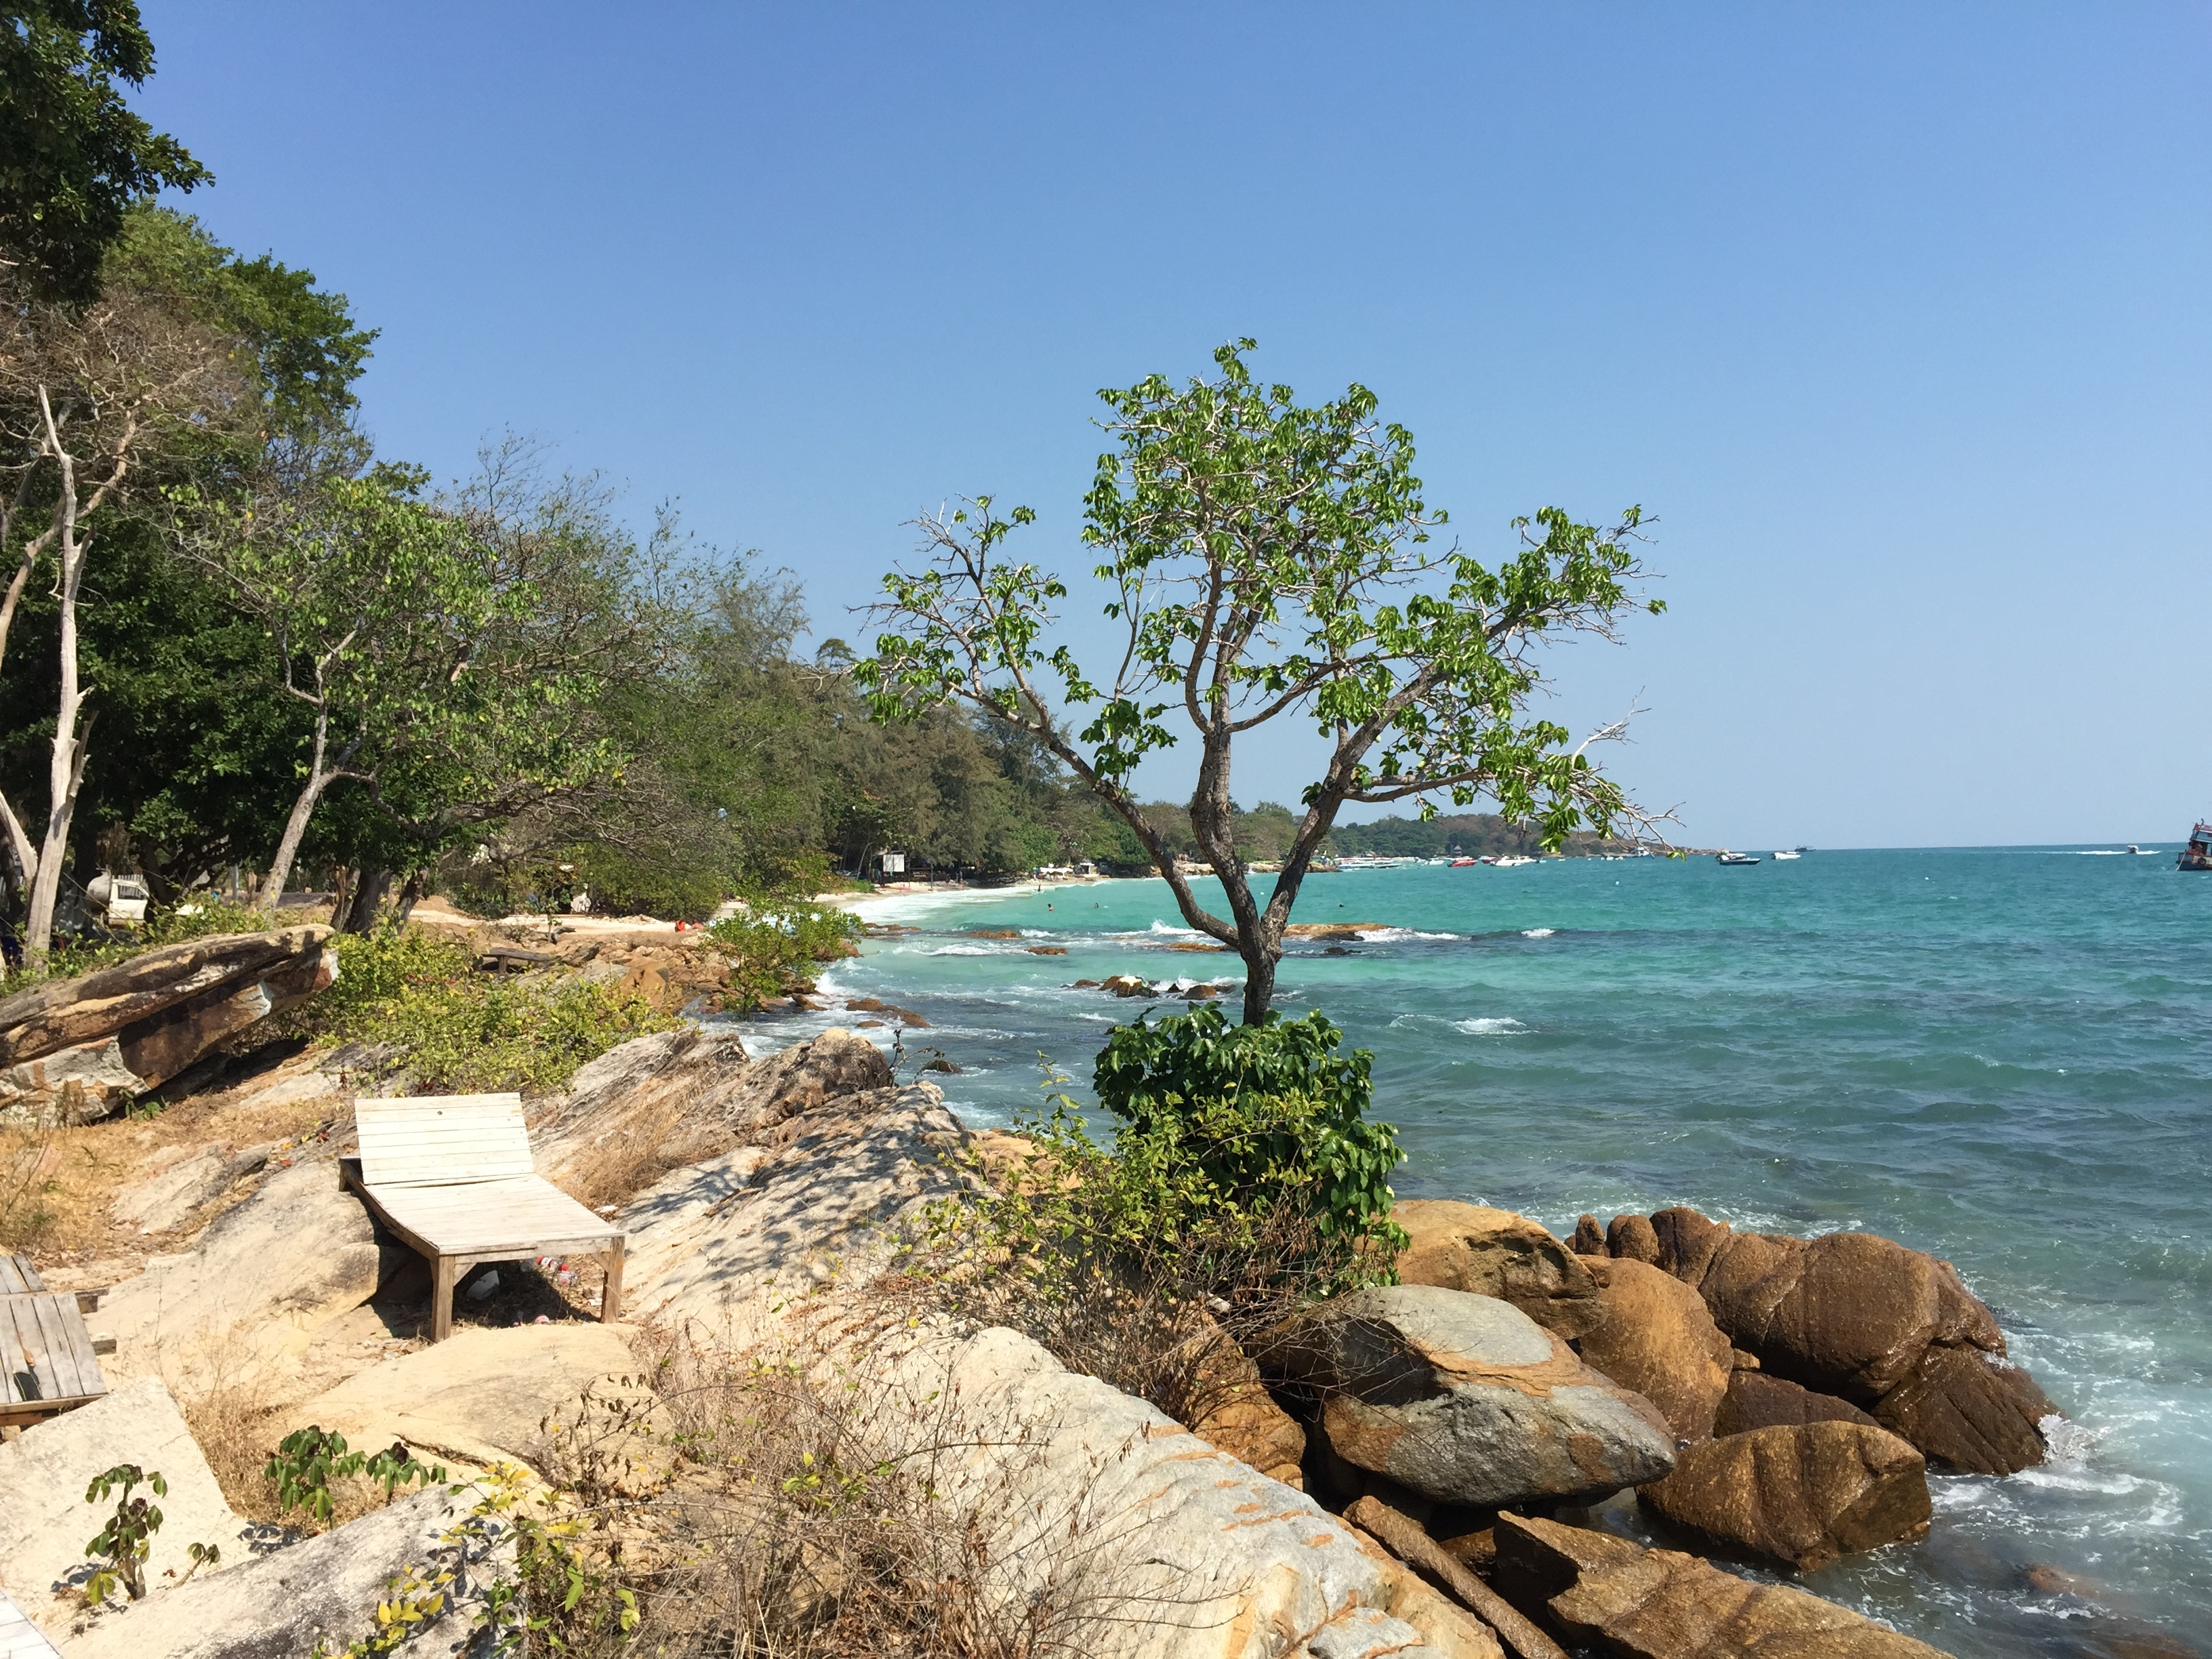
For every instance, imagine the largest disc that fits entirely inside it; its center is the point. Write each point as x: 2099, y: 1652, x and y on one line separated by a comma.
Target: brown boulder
x: 1805, y: 1494
x: 1472, y: 1247
x: 1233, y: 1413
x: 1630, y: 1238
x: 1973, y: 1411
x: 1756, y: 1401
x: 1624, y: 1599
x: 1687, y: 1242
x: 1655, y: 1337
x: 1856, y: 1322
x: 1589, y: 1239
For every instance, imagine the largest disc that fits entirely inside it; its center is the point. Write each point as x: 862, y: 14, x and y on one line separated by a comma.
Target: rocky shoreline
x: 1406, y: 1470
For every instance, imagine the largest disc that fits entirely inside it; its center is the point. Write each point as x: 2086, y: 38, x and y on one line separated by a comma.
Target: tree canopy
x: 73, y: 157
x: 1268, y: 560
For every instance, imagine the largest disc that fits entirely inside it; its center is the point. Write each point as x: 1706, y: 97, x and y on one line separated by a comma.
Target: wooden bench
x: 451, y: 1176
x: 48, y: 1360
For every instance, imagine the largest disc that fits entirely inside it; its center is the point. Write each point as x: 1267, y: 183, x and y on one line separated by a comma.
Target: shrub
x: 420, y: 998
x: 1256, y: 1116
x: 777, y: 941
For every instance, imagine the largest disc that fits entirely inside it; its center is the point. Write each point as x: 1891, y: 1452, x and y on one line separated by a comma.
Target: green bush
x: 777, y: 941
x: 455, y: 1030
x: 1260, y: 1115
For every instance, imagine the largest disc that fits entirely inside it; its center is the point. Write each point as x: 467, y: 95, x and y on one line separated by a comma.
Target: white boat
x: 1512, y: 859
x: 1734, y: 858
x: 1780, y: 856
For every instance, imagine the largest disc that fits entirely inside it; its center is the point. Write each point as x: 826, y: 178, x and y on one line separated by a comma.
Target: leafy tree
x: 1270, y: 560
x: 73, y: 158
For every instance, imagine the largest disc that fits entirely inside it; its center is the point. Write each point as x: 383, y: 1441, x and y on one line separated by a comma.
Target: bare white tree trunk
x: 65, y: 772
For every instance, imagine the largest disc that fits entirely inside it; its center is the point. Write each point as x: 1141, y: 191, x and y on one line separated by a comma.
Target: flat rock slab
x: 1466, y: 1400
x: 280, y: 1605
x: 45, y: 1523
x: 480, y: 1396
x: 1621, y: 1599
x: 1807, y: 1494
x: 253, y: 1287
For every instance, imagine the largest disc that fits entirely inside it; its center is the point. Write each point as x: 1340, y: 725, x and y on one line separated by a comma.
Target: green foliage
x: 1269, y: 559
x: 420, y: 999
x: 774, y: 942
x: 1256, y: 1115
x: 122, y: 1544
x: 75, y: 157
x: 305, y: 1463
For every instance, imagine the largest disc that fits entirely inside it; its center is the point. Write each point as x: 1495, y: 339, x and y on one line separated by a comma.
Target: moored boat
x: 2197, y: 855
x: 1734, y: 858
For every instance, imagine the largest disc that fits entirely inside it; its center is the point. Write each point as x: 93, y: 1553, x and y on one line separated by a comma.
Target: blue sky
x: 1894, y: 316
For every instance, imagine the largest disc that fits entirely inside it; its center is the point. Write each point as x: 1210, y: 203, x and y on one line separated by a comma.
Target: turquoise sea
x: 2003, y: 1055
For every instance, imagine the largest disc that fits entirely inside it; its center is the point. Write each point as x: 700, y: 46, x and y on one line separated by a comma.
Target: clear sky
x: 1896, y: 317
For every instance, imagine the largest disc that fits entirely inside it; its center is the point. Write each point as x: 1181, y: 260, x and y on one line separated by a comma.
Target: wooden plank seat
x: 47, y: 1363
x: 451, y: 1176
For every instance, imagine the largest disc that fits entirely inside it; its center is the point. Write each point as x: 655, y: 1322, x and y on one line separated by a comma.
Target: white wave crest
x: 1392, y: 935
x: 964, y: 950
x: 1499, y: 1027
x: 1538, y: 932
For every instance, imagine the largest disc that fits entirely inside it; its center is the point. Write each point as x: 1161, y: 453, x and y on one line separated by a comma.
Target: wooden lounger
x: 47, y: 1358
x: 451, y: 1176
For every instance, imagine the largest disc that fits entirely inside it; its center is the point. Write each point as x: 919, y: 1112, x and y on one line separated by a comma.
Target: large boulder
x: 480, y: 1396
x: 132, y: 1027
x: 1656, y: 1338
x: 1621, y: 1599
x: 1865, y: 1319
x: 1756, y: 1401
x: 1970, y: 1410
x: 325, y: 1589
x: 254, y: 1286
x: 45, y: 1523
x: 1472, y: 1247
x: 658, y: 1103
x: 1805, y: 1495
x: 1187, y: 1553
x: 823, y: 1199
x: 1234, y: 1413
x: 1466, y: 1400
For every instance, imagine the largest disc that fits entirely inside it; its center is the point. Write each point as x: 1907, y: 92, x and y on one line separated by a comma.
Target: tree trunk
x: 368, y: 898
x: 296, y: 831
x: 412, y: 891
x: 66, y: 771
x: 1259, y: 987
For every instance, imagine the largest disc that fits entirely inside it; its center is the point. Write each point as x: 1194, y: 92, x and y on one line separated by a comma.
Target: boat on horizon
x: 2197, y: 855
x: 1733, y: 858
x: 1787, y: 854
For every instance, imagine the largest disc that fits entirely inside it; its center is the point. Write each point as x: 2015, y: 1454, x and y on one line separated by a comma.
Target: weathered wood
x: 451, y: 1176
x: 1402, y: 1536
x: 17, y: 1275
x: 48, y: 1360
x: 18, y: 1637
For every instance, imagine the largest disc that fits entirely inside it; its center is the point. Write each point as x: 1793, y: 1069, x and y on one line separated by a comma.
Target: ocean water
x: 2001, y: 1055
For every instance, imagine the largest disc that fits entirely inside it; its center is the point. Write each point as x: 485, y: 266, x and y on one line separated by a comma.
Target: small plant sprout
x: 307, y: 1461
x: 122, y: 1545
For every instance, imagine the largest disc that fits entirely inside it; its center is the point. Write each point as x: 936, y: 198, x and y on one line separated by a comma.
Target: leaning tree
x: 1272, y: 561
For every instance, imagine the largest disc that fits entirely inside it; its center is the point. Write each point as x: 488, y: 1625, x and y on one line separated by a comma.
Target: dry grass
x: 793, y: 1512
x: 57, y: 1184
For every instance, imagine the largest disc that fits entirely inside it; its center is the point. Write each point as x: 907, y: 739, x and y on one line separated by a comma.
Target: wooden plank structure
x: 48, y: 1361
x: 18, y: 1637
x: 451, y: 1176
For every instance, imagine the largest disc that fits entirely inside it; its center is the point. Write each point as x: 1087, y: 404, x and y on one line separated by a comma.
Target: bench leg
x: 444, y: 1271
x: 611, y: 1298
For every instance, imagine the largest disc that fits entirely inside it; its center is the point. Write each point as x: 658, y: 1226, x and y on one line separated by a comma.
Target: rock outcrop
x: 132, y: 1027
x: 45, y: 1521
x: 1621, y: 1599
x: 1472, y: 1247
x: 1466, y: 1400
x: 478, y: 1397
x: 254, y: 1285
x: 1656, y: 1338
x: 680, y: 1097
x: 1973, y: 1410
x: 1806, y: 1495
x: 1864, y: 1319
x: 1756, y: 1401
x: 323, y: 1590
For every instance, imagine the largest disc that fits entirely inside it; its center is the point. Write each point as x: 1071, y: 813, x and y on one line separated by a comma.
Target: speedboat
x: 1734, y: 858
x: 1778, y: 857
x: 1462, y: 863
x: 1510, y: 859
